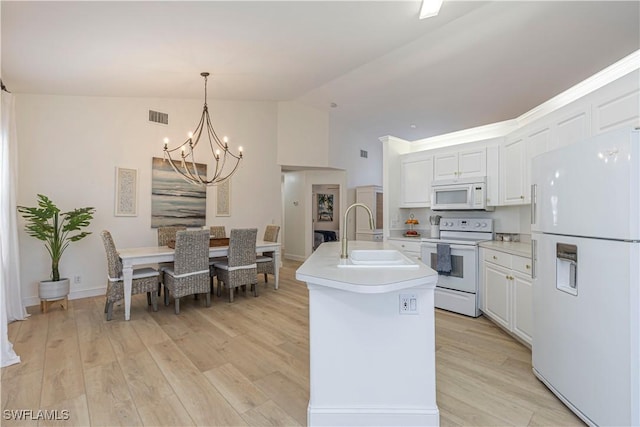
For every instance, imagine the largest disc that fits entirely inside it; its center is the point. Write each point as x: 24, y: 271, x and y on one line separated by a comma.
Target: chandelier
x: 226, y: 162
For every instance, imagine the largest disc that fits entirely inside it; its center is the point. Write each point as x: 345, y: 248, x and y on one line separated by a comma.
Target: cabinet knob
x: 495, y: 257
x: 527, y: 266
x: 506, y: 277
x: 522, y: 197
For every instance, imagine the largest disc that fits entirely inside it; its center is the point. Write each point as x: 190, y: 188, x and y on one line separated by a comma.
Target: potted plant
x: 57, y: 230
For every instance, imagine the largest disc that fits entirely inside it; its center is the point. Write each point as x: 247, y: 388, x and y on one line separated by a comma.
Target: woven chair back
x: 218, y: 231
x: 167, y: 234
x: 242, y: 246
x: 271, y: 233
x: 192, y: 251
x: 114, y: 264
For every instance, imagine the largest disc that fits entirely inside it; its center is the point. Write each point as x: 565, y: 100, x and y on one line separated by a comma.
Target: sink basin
x: 383, y: 258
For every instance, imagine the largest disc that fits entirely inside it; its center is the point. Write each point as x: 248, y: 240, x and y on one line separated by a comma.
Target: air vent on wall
x: 364, y: 154
x: 158, y: 117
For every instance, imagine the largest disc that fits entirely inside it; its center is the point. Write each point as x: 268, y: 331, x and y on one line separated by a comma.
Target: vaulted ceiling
x: 387, y: 72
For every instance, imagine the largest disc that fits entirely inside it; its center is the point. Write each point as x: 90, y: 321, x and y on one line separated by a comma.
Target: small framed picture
x: 126, y: 200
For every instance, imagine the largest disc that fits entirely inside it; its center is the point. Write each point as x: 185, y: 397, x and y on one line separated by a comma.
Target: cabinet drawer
x: 521, y: 264
x: 497, y: 257
x: 406, y: 246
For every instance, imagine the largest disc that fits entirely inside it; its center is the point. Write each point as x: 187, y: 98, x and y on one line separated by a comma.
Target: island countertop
x: 321, y: 268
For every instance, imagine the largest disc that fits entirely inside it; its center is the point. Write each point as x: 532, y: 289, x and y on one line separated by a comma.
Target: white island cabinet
x: 372, y: 358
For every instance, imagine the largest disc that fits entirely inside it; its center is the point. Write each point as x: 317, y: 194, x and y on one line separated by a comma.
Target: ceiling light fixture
x: 187, y: 167
x: 430, y: 8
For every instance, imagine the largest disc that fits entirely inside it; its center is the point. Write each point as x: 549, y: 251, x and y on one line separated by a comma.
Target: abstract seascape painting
x: 175, y: 201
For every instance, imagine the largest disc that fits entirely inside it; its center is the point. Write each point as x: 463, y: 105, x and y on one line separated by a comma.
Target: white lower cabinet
x: 507, y: 292
x: 409, y: 248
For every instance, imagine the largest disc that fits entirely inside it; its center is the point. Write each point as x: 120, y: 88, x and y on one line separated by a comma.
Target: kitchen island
x: 372, y: 347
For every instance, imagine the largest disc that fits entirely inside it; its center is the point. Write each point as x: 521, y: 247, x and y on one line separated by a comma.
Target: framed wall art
x: 126, y: 197
x: 174, y: 201
x: 325, y: 207
x: 223, y: 198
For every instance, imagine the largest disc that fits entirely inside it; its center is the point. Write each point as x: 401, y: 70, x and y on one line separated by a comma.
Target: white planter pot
x: 52, y: 290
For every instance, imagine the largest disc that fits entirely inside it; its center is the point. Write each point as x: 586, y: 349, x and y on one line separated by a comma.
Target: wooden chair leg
x: 154, y: 301
x: 109, y: 310
x: 208, y: 300
x: 255, y: 289
x: 266, y: 278
x: 166, y: 296
x: 230, y: 294
x: 148, y: 298
x: 176, y: 303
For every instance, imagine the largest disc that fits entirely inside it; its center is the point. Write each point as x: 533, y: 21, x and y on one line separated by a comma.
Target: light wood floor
x: 245, y: 363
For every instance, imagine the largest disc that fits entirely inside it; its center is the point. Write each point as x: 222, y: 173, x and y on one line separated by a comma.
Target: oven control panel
x: 466, y: 224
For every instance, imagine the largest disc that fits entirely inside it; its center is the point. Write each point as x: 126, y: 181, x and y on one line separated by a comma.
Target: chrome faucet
x: 345, y: 254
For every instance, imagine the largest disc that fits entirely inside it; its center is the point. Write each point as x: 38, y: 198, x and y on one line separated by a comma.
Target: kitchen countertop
x: 514, y: 248
x: 321, y: 268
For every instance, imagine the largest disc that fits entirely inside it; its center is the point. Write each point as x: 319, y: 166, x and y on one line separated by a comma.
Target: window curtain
x: 11, y: 306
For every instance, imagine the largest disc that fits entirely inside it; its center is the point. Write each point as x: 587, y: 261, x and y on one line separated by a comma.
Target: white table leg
x: 276, y: 267
x: 127, y: 273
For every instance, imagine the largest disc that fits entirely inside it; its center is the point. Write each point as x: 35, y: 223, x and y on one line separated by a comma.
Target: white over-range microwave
x: 459, y: 195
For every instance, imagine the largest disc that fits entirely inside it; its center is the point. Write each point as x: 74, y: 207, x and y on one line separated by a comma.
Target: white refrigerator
x: 585, y: 216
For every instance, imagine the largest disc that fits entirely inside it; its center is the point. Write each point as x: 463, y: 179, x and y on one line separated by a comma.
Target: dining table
x: 132, y: 257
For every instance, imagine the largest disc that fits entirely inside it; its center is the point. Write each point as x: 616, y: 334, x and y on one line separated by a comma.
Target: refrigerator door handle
x: 534, y: 247
x: 534, y: 191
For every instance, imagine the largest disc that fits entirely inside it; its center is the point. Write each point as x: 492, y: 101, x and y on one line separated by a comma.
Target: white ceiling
x: 476, y: 63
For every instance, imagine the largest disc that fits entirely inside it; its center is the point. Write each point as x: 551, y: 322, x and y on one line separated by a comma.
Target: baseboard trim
x: 86, y: 293
x: 295, y: 257
x: 341, y: 416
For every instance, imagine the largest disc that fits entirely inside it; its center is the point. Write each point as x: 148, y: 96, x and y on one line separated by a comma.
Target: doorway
x: 325, y: 220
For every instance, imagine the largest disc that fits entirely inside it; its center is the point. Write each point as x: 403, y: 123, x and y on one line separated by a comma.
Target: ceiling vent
x: 158, y: 117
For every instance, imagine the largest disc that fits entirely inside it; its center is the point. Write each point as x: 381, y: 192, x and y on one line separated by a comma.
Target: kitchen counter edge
x: 513, y: 248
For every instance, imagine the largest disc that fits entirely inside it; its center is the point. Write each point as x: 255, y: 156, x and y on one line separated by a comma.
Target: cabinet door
x: 537, y: 143
x: 572, y: 126
x: 472, y: 163
x: 445, y: 166
x: 497, y: 293
x: 416, y: 174
x: 522, y: 307
x: 617, y: 104
x: 512, y: 172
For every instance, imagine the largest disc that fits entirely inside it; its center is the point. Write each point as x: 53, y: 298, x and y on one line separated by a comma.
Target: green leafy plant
x: 56, y: 229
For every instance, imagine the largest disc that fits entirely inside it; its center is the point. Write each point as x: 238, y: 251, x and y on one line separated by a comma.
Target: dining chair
x: 190, y: 272
x: 217, y: 232
x: 166, y: 235
x: 144, y: 279
x: 265, y: 262
x: 240, y: 267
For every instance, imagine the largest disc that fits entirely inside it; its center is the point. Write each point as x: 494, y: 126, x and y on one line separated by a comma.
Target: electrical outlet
x: 77, y: 280
x: 408, y: 304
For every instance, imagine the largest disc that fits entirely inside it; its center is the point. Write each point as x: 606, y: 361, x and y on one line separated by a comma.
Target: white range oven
x: 458, y: 281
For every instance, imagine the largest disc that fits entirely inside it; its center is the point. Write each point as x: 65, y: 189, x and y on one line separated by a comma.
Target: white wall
x: 344, y: 153
x: 303, y: 135
x: 298, y: 210
x: 69, y: 148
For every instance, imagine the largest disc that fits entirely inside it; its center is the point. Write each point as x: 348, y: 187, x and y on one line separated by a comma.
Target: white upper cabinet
x: 617, y: 105
x: 511, y: 171
x: 416, y: 174
x: 571, y: 126
x: 461, y: 164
